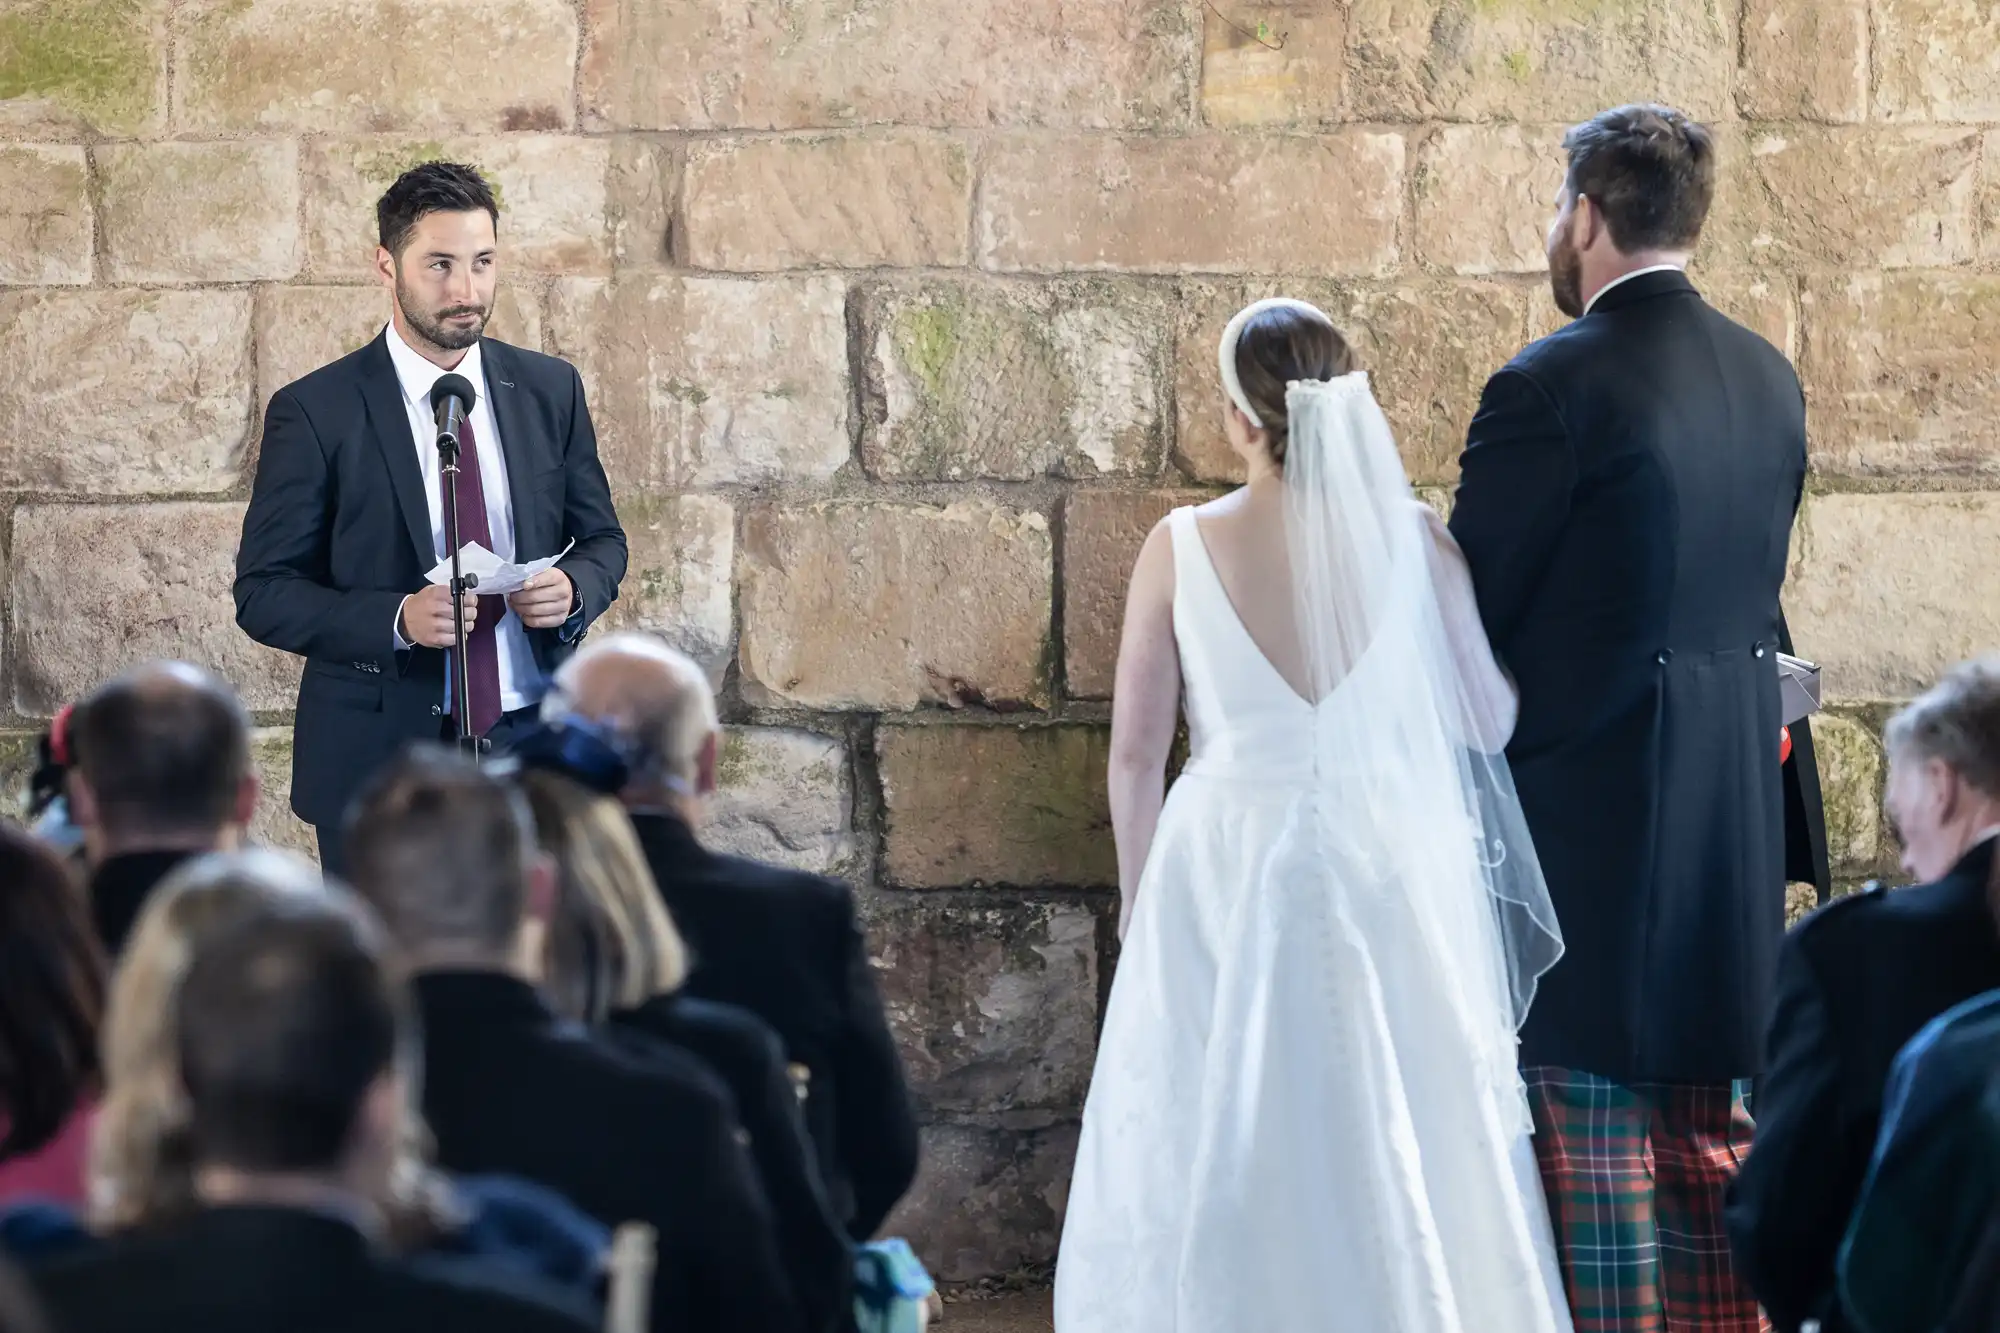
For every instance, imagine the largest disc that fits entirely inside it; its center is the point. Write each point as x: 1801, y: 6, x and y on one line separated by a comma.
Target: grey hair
x: 1956, y: 722
x: 659, y: 736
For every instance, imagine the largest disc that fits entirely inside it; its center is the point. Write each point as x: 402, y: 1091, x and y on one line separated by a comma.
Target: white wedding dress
x: 1305, y: 1116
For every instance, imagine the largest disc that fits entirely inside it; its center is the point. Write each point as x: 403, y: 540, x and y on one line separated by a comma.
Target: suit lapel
x: 502, y: 384
x: 383, y: 396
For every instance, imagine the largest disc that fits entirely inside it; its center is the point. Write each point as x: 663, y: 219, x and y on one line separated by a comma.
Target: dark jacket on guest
x: 786, y: 946
x: 263, y: 1269
x: 120, y: 888
x: 743, y: 1051
x: 626, y: 1135
x: 1856, y: 981
x: 1625, y: 505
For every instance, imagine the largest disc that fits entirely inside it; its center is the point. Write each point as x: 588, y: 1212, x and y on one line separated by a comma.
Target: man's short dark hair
x: 432, y: 187
x: 284, y: 1021
x: 1650, y: 170
x: 441, y: 849
x: 165, y: 748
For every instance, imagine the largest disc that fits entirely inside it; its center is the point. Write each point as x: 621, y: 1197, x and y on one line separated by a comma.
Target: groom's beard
x: 1566, y: 277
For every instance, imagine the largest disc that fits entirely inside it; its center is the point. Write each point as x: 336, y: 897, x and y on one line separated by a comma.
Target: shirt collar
x: 1615, y: 282
x: 417, y: 376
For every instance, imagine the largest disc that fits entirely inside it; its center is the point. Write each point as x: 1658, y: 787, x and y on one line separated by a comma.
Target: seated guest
x: 141, y: 1173
x: 613, y: 956
x: 292, y: 1039
x: 781, y: 943
x: 162, y: 772
x: 1856, y: 981
x: 51, y: 998
x: 446, y: 852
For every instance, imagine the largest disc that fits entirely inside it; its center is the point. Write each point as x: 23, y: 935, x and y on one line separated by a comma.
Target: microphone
x: 451, y: 403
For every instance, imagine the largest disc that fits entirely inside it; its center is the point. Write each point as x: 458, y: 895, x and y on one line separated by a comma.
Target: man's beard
x: 1566, y: 277
x: 434, y: 330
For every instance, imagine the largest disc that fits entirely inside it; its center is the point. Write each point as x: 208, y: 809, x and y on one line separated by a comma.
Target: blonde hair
x: 141, y: 1167
x: 612, y: 944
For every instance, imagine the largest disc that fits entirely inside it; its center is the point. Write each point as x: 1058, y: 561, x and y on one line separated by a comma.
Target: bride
x: 1306, y: 1116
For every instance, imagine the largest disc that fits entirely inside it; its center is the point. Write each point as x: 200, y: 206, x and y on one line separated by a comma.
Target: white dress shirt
x: 1635, y: 273
x: 521, y: 681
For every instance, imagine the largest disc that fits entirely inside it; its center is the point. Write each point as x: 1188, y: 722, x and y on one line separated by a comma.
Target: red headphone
x: 59, y: 737
x: 1784, y: 744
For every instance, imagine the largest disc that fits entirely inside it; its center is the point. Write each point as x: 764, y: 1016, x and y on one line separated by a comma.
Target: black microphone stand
x: 461, y: 583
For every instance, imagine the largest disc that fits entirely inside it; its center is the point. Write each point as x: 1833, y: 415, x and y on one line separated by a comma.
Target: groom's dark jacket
x: 1626, y: 505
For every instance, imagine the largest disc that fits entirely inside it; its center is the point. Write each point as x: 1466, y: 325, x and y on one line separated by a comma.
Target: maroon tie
x: 482, y: 646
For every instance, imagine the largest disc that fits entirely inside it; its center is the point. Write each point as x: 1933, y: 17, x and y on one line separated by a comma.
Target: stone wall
x: 897, y: 318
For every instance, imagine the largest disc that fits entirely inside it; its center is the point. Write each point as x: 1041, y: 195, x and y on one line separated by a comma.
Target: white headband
x: 1232, y: 384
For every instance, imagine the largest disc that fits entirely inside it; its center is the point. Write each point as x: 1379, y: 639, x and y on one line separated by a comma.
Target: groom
x: 1625, y: 504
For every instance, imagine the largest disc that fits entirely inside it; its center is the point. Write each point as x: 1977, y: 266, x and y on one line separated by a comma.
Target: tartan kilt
x: 1635, y: 1176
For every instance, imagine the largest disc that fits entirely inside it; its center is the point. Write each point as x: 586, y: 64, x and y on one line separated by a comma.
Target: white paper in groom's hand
x: 497, y: 577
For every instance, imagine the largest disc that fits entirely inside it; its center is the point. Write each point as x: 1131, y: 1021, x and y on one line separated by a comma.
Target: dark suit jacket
x: 743, y: 1051
x: 648, y: 1136
x: 119, y: 890
x: 786, y: 946
x: 1626, y: 502
x: 338, y: 532
x: 258, y: 1269
x: 1856, y: 981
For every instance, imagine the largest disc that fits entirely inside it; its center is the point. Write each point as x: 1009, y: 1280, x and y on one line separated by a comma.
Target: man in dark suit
x: 1856, y: 981
x: 290, y: 1033
x: 162, y: 773
x: 628, y: 1133
x: 781, y: 943
x: 1625, y: 505
x: 347, y: 516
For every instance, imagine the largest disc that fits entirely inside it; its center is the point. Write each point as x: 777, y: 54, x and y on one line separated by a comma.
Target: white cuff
x: 396, y: 625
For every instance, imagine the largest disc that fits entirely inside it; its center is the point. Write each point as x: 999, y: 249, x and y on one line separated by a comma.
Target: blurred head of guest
x: 657, y: 706
x: 18, y: 1310
x: 446, y: 853
x: 294, y: 1041
x: 611, y: 944
x: 1943, y: 794
x: 162, y: 771
x: 140, y: 1168
x: 51, y: 995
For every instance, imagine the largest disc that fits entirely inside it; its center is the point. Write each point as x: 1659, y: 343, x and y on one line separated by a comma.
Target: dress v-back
x: 1285, y: 1131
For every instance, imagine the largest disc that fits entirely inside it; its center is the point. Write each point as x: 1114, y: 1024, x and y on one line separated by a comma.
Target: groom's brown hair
x: 1650, y: 170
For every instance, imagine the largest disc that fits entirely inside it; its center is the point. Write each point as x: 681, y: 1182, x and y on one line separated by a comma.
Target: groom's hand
x: 544, y: 601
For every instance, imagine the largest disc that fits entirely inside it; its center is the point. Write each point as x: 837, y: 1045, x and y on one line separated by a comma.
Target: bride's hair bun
x: 1280, y: 346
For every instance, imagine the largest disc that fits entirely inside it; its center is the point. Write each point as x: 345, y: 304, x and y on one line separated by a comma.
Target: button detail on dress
x: 1666, y: 656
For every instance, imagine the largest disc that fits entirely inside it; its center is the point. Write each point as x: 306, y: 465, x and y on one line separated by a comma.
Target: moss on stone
x: 733, y: 763
x: 1518, y: 66
x: 927, y: 337
x: 95, y: 58
x: 1850, y: 765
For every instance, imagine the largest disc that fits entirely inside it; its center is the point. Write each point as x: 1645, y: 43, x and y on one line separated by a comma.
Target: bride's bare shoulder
x: 1224, y: 506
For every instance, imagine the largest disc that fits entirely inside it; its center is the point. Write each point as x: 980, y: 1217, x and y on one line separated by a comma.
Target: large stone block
x: 1936, y: 60
x: 996, y: 805
x: 1276, y: 62
x: 1903, y: 373
x: 45, y: 219
x: 1849, y: 758
x: 644, y: 186
x: 988, y: 1198
x: 1816, y: 197
x: 1102, y: 532
x: 553, y: 192
x: 785, y: 796
x: 1429, y: 348
x: 1804, y: 60
x: 900, y: 201
x: 1486, y: 196
x: 354, y: 66
x: 119, y: 392
x: 1989, y: 200
x: 73, y: 65
x: 678, y: 585
x: 300, y: 329
x: 889, y: 606
x: 808, y: 64
x: 274, y: 824
x: 97, y: 588
x: 706, y: 381
x: 200, y: 212
x: 1536, y: 60
x: 972, y: 379
x: 1887, y: 591
x: 1328, y: 204
x: 994, y: 1008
